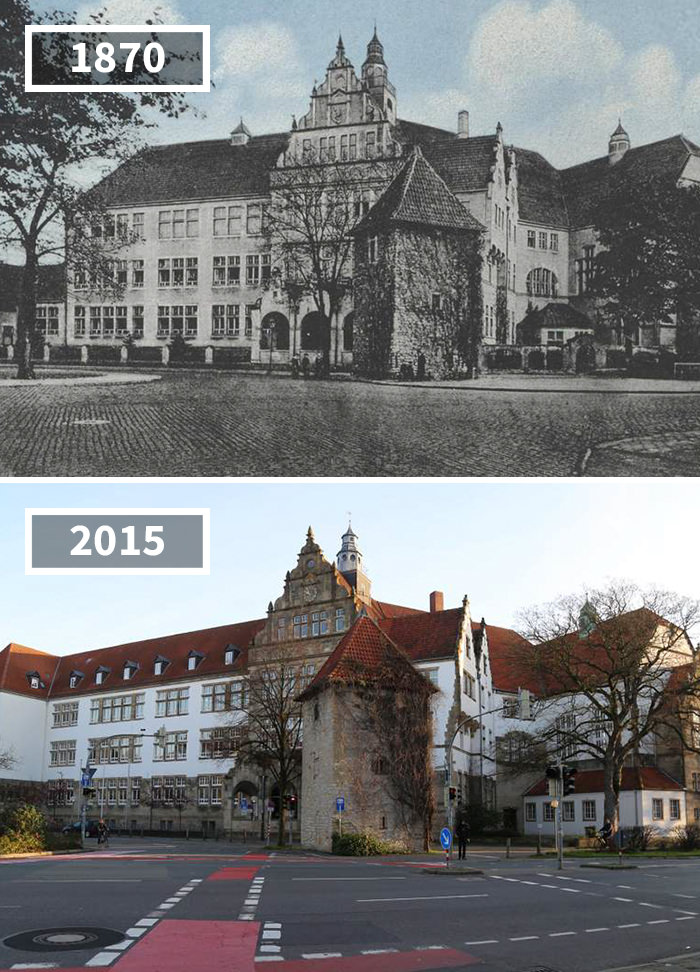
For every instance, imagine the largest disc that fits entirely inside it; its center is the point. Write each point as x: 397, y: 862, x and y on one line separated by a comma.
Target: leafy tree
x: 648, y: 270
x: 613, y: 678
x: 48, y: 140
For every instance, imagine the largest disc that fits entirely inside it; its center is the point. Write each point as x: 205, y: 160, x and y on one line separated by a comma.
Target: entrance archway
x: 277, y: 325
x: 314, y: 332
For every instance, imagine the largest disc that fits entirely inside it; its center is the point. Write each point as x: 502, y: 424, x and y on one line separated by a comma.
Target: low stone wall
x: 571, y: 358
x: 687, y: 370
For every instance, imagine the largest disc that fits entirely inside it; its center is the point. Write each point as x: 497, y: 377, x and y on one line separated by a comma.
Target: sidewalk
x: 687, y: 962
x: 569, y: 384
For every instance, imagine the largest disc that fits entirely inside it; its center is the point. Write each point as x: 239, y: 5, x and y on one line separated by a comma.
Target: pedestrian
x: 462, y: 832
x: 305, y: 366
x: 295, y: 366
x: 420, y: 370
x: 103, y: 833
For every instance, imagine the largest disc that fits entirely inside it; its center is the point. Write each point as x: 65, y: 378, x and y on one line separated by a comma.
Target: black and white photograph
x: 453, y: 239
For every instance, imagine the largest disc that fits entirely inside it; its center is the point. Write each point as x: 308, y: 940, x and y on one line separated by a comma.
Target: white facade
x: 662, y: 809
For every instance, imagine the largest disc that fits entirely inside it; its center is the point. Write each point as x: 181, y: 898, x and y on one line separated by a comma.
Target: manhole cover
x: 63, y: 939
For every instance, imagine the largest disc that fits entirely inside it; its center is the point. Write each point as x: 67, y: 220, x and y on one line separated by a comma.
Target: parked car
x: 90, y: 828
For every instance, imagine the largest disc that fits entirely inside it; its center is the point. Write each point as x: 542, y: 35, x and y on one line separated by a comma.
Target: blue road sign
x: 446, y: 838
x: 244, y: 803
x: 340, y: 804
x: 84, y: 780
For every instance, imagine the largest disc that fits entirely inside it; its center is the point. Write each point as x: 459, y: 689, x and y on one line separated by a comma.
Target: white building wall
x: 23, y: 728
x: 636, y: 810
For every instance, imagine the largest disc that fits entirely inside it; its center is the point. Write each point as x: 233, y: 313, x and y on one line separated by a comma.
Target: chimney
x: 463, y: 124
x: 437, y: 602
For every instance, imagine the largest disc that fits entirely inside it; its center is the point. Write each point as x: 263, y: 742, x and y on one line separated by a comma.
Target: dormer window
x: 160, y: 664
x: 74, y: 679
x: 34, y: 680
x: 231, y: 653
x: 193, y: 660
x: 130, y: 669
x: 101, y: 675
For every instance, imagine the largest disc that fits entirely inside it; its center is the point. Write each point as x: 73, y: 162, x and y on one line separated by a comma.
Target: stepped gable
x: 364, y: 655
x: 17, y: 662
x: 585, y: 184
x: 633, y: 778
x: 209, y: 642
x: 419, y: 196
x: 194, y: 170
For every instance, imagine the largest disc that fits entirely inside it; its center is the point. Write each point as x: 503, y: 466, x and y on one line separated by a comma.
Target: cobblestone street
x: 234, y: 425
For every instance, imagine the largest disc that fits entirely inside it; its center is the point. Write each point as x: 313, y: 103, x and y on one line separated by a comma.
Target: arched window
x: 274, y: 325
x: 542, y: 283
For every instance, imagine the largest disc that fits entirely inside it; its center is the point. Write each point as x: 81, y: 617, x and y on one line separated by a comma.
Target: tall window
x: 554, y: 242
x: 372, y: 249
x: 252, y: 270
x: 319, y: 624
x: 340, y: 619
x: 174, y: 747
x: 226, y: 271
x: 137, y: 273
x: 225, y: 320
x: 191, y: 223
x: 172, y: 702
x: 191, y: 320
x: 353, y: 148
x: 547, y: 812
x: 568, y: 811
x: 210, y: 790
x: 674, y: 809
x: 116, y: 749
x: 657, y: 809
x: 254, y: 219
x: 542, y: 283
x: 542, y: 238
x: 47, y: 319
x: 137, y: 225
x: 585, y: 269
x: 137, y: 320
x: 219, y: 743
x: 165, y: 224
x: 249, y: 308
x: 531, y: 812
x: 216, y: 698
x: 301, y: 626
x: 119, y: 708
x: 589, y: 810
x: 531, y: 239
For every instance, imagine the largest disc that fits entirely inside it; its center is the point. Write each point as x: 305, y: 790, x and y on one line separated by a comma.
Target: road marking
x: 560, y: 934
x: 625, y: 887
x: 484, y: 941
x: 524, y: 938
x: 534, y: 883
x: 134, y: 932
x: 626, y: 900
x: 647, y: 904
x: 633, y: 924
x: 102, y: 958
x: 38, y: 965
x: 350, y: 879
x: 147, y: 922
x: 687, y: 918
x: 552, y: 886
x: 120, y: 946
x: 659, y: 921
x: 271, y: 934
x: 571, y: 890
x: 78, y: 881
x: 270, y: 948
x: 269, y: 958
x: 321, y: 955
x: 590, y: 931
x: 378, y: 951
x: 424, y: 897
x: 684, y: 896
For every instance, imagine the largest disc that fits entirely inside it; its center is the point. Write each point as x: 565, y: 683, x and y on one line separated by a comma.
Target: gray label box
x: 117, y: 542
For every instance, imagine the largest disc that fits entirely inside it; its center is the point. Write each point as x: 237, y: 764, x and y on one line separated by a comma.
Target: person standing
x: 462, y: 832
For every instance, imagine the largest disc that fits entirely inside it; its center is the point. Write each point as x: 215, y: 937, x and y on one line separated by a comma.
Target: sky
x: 507, y: 545
x: 556, y: 73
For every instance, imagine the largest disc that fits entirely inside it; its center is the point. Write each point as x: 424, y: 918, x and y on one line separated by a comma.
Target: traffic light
x: 553, y: 772
x: 569, y: 777
x: 453, y: 793
x: 88, y: 791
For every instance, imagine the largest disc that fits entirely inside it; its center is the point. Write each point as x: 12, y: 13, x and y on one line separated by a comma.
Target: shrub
x: 638, y: 838
x: 365, y: 845
x: 25, y: 831
x: 686, y: 838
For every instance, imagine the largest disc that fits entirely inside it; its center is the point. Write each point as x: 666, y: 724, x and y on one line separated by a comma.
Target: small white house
x: 649, y: 797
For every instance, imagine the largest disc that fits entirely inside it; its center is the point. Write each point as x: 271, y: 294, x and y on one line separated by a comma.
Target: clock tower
x: 349, y: 563
x: 375, y: 76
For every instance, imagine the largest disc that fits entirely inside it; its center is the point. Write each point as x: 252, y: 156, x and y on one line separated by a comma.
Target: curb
x: 673, y: 960
x: 473, y: 385
x: 57, y: 853
x: 452, y: 871
x: 612, y: 867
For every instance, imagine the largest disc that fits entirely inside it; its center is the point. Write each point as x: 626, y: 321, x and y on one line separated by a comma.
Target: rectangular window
x: 220, y: 743
x: 192, y: 223
x: 47, y: 319
x: 191, y: 320
x: 61, y: 793
x: 164, y: 273
x: 265, y: 268
x: 172, y: 702
x: 568, y: 810
x: 137, y: 273
x: 95, y: 321
x: 543, y: 241
x: 657, y: 809
x: 137, y: 320
x: 122, y: 273
x: 165, y: 224
x: 547, y: 812
x: 163, y: 321
x: 177, y: 319
x: 371, y: 144
x: 340, y: 619
x: 216, y: 698
x: 319, y: 624
x: 372, y: 249
x: 228, y: 220
x: 554, y: 242
x: 674, y: 809
x: 137, y: 225
x: 63, y: 753
x: 135, y: 790
x: 353, y: 148
x: 252, y: 270
x: 343, y: 148
x: 432, y: 674
x: 178, y: 277
x: 249, y: 308
x: 178, y: 224
x: 191, y: 271
x: 65, y: 714
x: 174, y: 747
x: 115, y: 749
x: 301, y: 626
x: 589, y: 811
x: 531, y: 812
x: 324, y: 149
x: 118, y: 708
x: 108, y: 322
x: 121, y: 321
x: 696, y: 782
x: 531, y: 239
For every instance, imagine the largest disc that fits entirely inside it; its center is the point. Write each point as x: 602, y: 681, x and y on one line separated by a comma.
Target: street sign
x: 244, y: 803
x: 340, y: 804
x: 446, y: 838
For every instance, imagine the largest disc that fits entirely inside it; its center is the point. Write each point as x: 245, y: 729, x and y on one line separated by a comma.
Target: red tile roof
x: 425, y: 635
x: 364, y: 655
x: 633, y: 778
x: 382, y: 609
x: 210, y: 642
x: 17, y: 661
x: 508, y: 671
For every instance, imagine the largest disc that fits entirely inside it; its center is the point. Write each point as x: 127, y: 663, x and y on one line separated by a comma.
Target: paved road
x: 185, y: 907
x: 235, y: 425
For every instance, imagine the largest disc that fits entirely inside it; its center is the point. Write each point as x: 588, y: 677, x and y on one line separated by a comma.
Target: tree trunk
x: 613, y: 780
x: 280, y: 827
x: 26, y: 315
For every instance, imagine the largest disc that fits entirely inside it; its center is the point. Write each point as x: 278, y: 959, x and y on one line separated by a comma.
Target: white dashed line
x: 591, y: 931
x: 524, y: 938
x: 560, y: 934
x: 321, y: 955
x: 632, y: 924
x: 659, y: 921
x: 484, y: 941
x: 102, y: 958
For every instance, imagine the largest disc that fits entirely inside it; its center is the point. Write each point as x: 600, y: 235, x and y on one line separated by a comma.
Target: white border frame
x: 78, y: 511
x: 203, y: 29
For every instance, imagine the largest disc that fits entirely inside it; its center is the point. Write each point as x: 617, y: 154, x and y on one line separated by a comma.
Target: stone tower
x: 619, y: 144
x: 375, y: 75
x: 349, y: 563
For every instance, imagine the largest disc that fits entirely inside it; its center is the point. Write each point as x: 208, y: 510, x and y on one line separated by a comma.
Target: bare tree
x: 316, y: 203
x: 8, y: 760
x: 272, y: 733
x: 612, y: 678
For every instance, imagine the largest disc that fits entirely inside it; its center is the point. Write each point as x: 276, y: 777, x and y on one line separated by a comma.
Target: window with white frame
x: 226, y: 320
x: 249, y: 308
x: 531, y: 239
x: 547, y: 812
x: 115, y: 749
x: 301, y: 626
x: 135, y: 790
x: 589, y: 811
x: 542, y: 282
x: 65, y: 714
x: 193, y: 660
x: 542, y: 239
x: 226, y: 271
x: 554, y: 242
x: 568, y: 811
x: 78, y: 321
x: 220, y: 742
x: 231, y: 653
x: 174, y: 747
x: 210, y: 790
x: 101, y: 675
x: 372, y: 249
x: 530, y: 812
x: 657, y: 809
x: 159, y: 666
x: 47, y: 319
x: 227, y: 220
x: 252, y: 269
x: 165, y: 224
x: 319, y: 623
x: 254, y: 219
x: 172, y: 702
x: 137, y: 225
x: 340, y: 619
x: 119, y: 708
x: 674, y: 809
x: 137, y: 320
x: 62, y: 752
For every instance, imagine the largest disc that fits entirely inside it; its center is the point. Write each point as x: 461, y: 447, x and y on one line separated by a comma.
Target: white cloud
x: 691, y: 109
x: 516, y: 44
x: 131, y: 11
x: 255, y: 50
x: 439, y: 108
x: 655, y: 79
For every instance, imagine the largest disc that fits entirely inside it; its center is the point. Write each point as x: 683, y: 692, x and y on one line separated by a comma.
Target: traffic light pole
x: 559, y: 816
